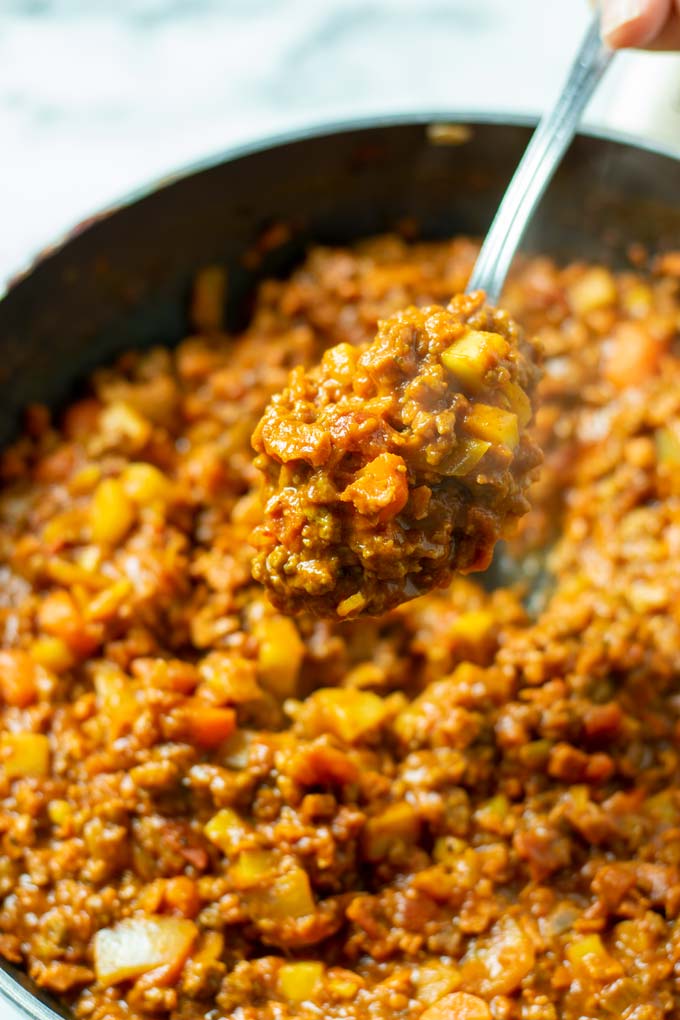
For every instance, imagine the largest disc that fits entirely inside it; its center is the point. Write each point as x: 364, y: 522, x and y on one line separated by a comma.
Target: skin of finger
x: 669, y: 38
x: 643, y: 29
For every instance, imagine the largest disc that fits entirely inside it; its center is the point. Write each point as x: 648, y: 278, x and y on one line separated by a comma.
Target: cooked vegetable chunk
x: 140, y: 944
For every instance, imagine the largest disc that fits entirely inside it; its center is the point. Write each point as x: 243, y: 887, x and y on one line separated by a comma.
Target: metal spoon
x: 548, y: 145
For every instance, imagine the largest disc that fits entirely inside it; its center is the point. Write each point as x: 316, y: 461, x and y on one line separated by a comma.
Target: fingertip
x: 628, y: 23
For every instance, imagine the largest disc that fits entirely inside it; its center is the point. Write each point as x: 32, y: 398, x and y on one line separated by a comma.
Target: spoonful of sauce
x: 389, y: 467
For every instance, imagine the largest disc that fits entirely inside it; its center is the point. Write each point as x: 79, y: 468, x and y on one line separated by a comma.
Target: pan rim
x: 318, y: 129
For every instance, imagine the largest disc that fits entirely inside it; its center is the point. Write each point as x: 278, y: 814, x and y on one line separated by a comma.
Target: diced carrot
x: 17, y: 678
x: 668, y: 264
x: 82, y: 418
x: 207, y: 725
x: 634, y: 355
x: 59, y: 616
x: 380, y: 488
x: 458, y: 1006
x: 181, y: 894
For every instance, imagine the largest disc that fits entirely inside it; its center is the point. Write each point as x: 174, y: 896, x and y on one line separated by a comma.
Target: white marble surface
x: 100, y: 96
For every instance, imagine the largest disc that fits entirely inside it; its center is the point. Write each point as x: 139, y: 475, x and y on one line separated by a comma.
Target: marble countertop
x: 99, y: 97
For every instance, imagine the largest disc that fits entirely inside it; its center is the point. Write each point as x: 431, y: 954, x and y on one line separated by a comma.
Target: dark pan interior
x: 123, y: 279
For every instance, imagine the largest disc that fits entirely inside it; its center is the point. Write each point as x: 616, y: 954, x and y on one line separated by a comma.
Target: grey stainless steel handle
x: 548, y: 144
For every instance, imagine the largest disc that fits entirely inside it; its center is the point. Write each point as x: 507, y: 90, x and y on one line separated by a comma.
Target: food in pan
x: 455, y: 811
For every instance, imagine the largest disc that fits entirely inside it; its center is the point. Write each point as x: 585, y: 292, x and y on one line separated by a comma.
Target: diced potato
x: 18, y: 681
x: 68, y: 573
x: 63, y: 528
x: 458, y: 1006
x: 638, y: 299
x: 85, y: 480
x: 667, y: 447
x: 351, y: 605
x: 280, y: 654
x: 115, y: 698
x: 466, y: 455
x: 448, y: 849
x: 397, y: 824
x: 496, y: 425
x: 227, y: 830
x: 595, y: 289
x: 145, y: 484
x: 252, y: 867
x: 343, y: 984
x: 112, y: 513
x: 207, y: 725
x: 589, y: 956
x: 298, y: 982
x: 25, y: 755
x: 288, y: 895
x: 52, y: 653
x: 137, y: 945
x: 435, y: 980
x: 121, y: 423
x: 664, y: 807
x: 210, y: 949
x: 473, y: 356
x: 474, y: 626
x: 154, y: 399
x: 106, y: 604
x: 348, y: 713
x: 494, y: 814
x: 518, y: 401
x: 229, y: 679
x: 59, y: 812
x: 497, y: 964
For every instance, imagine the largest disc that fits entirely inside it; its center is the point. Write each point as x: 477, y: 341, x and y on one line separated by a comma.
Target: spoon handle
x: 548, y: 144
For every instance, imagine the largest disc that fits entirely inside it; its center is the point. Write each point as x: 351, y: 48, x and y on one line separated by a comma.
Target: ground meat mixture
x: 455, y: 811
x: 391, y: 466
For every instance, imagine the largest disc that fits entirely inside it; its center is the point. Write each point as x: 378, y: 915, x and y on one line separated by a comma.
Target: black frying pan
x: 122, y: 280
